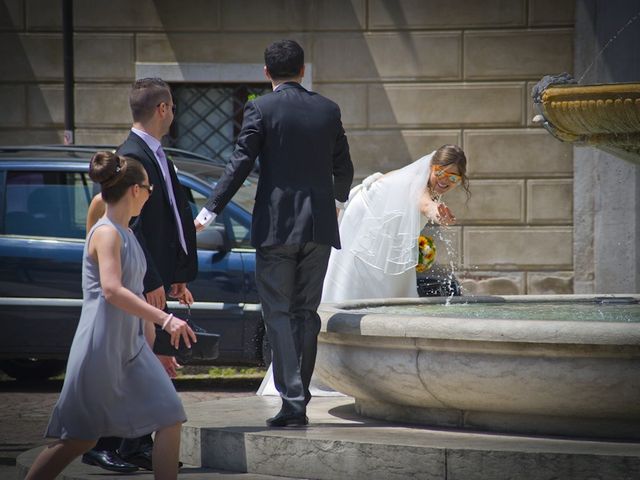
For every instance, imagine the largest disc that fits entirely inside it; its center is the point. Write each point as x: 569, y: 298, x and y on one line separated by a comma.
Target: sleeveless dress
x: 114, y: 385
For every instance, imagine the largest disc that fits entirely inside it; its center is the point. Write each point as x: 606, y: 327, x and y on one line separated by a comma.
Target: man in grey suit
x: 305, y: 168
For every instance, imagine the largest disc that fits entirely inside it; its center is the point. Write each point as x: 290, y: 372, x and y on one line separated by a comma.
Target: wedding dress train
x: 379, y: 228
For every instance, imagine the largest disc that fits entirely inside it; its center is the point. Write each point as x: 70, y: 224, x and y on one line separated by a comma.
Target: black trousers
x: 289, y: 280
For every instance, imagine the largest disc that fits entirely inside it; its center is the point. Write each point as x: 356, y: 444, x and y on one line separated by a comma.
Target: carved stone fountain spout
x: 603, y: 116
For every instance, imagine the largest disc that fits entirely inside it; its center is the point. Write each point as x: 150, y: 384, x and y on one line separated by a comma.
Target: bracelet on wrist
x: 167, y: 320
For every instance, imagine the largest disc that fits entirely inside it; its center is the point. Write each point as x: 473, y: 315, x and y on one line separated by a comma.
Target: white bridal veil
x: 386, y: 237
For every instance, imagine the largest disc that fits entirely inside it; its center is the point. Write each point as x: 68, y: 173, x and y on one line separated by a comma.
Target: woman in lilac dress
x: 114, y: 384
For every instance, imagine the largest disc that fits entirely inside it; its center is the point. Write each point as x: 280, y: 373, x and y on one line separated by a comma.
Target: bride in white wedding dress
x: 379, y: 229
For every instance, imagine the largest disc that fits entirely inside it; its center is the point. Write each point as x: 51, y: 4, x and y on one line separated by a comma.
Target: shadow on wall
x: 382, y: 150
x: 28, y: 60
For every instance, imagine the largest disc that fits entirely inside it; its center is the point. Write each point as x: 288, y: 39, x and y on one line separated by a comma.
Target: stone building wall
x: 409, y: 75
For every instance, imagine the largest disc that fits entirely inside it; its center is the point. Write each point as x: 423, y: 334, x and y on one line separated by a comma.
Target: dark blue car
x: 44, y: 196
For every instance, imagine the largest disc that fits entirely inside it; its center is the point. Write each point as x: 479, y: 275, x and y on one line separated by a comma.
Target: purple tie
x: 164, y: 166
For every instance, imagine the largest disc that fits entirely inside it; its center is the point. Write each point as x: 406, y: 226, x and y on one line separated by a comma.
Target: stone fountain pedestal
x: 515, y: 375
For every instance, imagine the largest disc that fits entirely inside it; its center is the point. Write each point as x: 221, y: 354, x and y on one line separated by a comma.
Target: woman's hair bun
x: 106, y: 167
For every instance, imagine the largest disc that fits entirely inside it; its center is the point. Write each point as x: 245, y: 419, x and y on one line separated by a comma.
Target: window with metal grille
x: 209, y: 116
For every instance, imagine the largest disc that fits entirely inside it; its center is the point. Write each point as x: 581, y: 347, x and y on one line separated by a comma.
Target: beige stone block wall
x: 208, y: 47
x: 43, y: 15
x: 26, y: 57
x: 12, y: 15
x: 340, y: 14
x: 523, y: 153
x: 440, y: 14
x: 198, y: 15
x: 550, y: 201
x: 147, y: 15
x: 409, y: 76
x: 516, y: 54
x: 516, y: 248
x: 386, y: 150
x: 103, y: 105
x: 101, y: 136
x: 257, y: 15
x: 387, y: 56
x: 13, y: 112
x: 46, y: 105
x: 551, y: 12
x: 493, y: 202
x: 104, y: 57
x: 30, y: 136
x: 446, y: 105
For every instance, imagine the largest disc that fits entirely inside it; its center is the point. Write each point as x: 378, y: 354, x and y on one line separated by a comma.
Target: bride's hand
x: 445, y: 216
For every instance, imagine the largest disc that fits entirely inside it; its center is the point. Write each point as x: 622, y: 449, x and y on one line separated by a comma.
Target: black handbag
x: 206, y: 348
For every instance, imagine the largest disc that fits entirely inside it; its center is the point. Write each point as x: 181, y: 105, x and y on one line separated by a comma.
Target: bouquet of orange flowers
x: 426, y: 253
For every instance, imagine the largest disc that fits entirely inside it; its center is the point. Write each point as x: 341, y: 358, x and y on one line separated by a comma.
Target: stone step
x: 79, y: 471
x: 229, y: 435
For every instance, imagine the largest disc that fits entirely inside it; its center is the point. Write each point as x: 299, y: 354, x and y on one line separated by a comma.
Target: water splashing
x: 440, y: 233
x: 615, y: 36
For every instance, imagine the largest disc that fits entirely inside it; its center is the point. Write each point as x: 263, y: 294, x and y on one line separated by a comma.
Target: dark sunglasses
x: 148, y: 188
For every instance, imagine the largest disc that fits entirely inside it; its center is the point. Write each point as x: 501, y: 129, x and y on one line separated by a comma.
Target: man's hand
x: 156, y: 298
x: 182, y: 293
x: 170, y: 365
x: 204, y: 218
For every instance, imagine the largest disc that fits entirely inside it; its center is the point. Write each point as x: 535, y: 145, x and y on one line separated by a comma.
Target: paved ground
x: 25, y: 409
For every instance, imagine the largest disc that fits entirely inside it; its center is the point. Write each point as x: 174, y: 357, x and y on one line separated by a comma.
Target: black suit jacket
x: 304, y: 166
x: 156, y: 227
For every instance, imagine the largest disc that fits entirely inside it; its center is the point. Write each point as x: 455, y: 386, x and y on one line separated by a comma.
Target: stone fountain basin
x: 558, y: 377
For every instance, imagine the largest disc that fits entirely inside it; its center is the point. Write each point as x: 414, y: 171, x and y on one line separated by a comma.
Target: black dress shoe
x: 288, y: 420
x: 141, y: 459
x: 108, y: 460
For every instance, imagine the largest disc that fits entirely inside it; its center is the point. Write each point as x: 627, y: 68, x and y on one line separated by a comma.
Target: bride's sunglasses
x: 440, y: 171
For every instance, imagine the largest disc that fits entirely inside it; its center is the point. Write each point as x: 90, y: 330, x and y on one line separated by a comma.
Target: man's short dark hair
x: 284, y: 59
x: 146, y: 94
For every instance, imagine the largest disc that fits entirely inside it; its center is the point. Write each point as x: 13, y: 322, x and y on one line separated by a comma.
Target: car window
x: 236, y: 222
x: 241, y: 232
x: 48, y: 204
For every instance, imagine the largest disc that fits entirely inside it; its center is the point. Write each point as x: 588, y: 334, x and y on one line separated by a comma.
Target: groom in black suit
x: 305, y: 168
